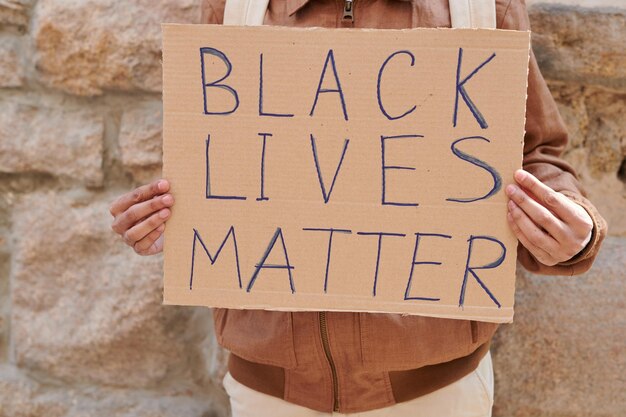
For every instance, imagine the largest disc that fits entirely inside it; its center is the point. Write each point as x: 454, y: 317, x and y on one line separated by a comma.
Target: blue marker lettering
x: 378, y: 249
x: 197, y: 238
x: 217, y: 83
x: 330, y: 244
x: 207, y: 178
x: 470, y: 269
x: 262, y: 264
x: 497, y: 180
x: 326, y: 194
x: 407, y: 292
x: 261, y: 112
x: 263, y: 197
x: 330, y: 58
x: 380, y: 75
x: 460, y: 91
x: 384, y: 169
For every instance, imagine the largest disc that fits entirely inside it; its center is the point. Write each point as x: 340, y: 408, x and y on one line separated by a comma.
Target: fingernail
x: 164, y: 213
x: 168, y: 199
x: 520, y: 175
x: 162, y: 185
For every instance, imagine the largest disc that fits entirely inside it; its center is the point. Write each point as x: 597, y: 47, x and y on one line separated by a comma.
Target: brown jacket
x: 353, y: 362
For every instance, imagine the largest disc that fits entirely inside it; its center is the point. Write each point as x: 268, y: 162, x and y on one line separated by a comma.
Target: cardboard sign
x: 354, y: 170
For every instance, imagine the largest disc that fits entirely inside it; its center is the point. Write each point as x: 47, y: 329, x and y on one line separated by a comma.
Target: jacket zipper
x: 348, y: 10
x: 329, y: 357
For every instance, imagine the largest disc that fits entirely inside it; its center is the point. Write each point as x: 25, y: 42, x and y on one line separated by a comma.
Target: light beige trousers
x: 471, y: 396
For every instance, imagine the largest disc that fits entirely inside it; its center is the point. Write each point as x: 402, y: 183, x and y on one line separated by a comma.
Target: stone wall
x: 564, y: 354
x: 82, y: 329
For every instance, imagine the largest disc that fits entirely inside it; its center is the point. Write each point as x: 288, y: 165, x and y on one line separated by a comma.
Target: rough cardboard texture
x: 318, y: 170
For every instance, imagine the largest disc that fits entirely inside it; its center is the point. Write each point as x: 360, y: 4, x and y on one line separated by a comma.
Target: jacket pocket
x: 257, y: 335
x: 395, y: 342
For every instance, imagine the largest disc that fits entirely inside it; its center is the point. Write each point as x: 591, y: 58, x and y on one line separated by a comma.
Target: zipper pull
x: 348, y: 13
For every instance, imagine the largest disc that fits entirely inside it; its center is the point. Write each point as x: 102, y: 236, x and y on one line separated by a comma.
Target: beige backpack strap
x: 473, y: 14
x: 245, y: 12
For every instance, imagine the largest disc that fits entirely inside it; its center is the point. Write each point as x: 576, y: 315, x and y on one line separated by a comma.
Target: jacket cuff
x: 597, y: 234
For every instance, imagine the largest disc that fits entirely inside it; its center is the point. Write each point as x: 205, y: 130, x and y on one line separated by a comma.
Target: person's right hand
x: 140, y: 216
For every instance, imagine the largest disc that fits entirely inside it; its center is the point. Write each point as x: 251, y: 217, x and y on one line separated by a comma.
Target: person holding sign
x: 316, y: 363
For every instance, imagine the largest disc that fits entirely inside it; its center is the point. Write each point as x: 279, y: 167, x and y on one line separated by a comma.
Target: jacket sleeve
x: 544, y: 141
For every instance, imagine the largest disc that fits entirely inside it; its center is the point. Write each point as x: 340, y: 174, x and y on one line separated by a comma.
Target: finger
x: 143, y: 245
x: 547, y: 197
x: 535, y: 235
x: 537, y: 213
x: 156, y: 247
x: 141, y: 230
x: 143, y: 193
x: 539, y: 254
x: 139, y: 212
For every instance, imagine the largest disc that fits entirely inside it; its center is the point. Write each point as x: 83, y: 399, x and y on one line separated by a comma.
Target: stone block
x: 21, y: 396
x: 564, y: 354
x: 11, y: 68
x: 85, y: 307
x: 140, y: 140
x: 87, y: 46
x: 15, y: 12
x: 580, y: 44
x: 58, y: 141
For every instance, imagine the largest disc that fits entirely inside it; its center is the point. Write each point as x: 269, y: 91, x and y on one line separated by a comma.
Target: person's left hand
x: 550, y: 225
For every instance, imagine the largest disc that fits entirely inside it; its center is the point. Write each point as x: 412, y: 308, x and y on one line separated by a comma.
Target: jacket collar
x: 295, y: 5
